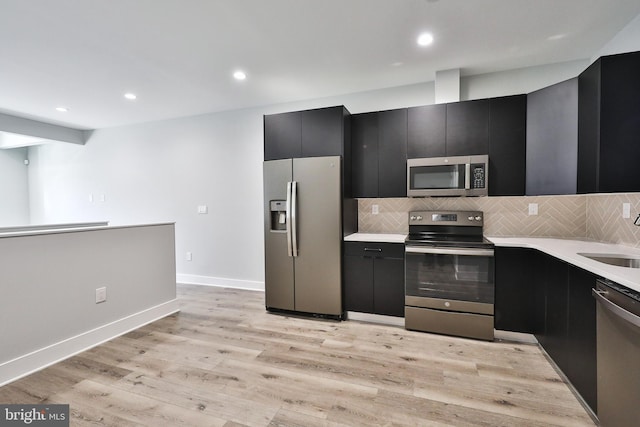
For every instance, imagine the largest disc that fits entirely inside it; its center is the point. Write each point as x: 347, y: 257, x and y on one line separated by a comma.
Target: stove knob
x: 470, y: 218
x: 419, y: 218
x: 412, y: 218
x: 478, y: 218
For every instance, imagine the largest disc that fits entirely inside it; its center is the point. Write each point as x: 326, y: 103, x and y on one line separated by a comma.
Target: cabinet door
x: 322, y: 132
x: 388, y: 286
x: 392, y: 153
x: 552, y: 139
x: 364, y: 154
x: 426, y: 131
x: 556, y: 315
x: 620, y: 123
x: 468, y: 128
x: 358, y: 284
x: 282, y: 136
x: 507, y: 145
x: 589, y: 129
x: 581, y: 338
x: 515, y: 290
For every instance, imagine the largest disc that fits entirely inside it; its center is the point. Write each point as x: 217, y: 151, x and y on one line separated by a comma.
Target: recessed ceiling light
x: 130, y: 96
x: 239, y: 75
x: 425, y: 39
x: 62, y: 109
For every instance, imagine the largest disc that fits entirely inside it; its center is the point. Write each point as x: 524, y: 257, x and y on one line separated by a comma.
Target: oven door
x: 455, y: 274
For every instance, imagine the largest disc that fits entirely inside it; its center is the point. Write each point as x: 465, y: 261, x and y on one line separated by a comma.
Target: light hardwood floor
x: 224, y: 361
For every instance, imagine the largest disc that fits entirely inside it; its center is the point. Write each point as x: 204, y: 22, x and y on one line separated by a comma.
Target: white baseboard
x: 192, y: 279
x: 376, y: 318
x: 514, y: 337
x: 54, y: 353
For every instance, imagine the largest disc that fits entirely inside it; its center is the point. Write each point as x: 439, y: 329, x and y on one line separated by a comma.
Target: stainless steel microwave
x: 448, y: 176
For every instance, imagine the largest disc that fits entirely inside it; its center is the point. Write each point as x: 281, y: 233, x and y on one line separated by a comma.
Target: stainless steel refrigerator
x: 303, y: 235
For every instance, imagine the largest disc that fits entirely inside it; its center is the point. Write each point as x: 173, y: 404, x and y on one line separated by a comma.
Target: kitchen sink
x: 619, y: 260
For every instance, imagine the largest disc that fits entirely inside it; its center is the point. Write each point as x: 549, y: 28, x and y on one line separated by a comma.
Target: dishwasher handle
x: 600, y: 297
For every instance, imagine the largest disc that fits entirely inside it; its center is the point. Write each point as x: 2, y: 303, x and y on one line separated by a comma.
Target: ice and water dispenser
x: 278, y: 215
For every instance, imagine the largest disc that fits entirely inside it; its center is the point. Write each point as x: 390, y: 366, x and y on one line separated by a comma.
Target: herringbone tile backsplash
x: 605, y: 222
x: 597, y: 217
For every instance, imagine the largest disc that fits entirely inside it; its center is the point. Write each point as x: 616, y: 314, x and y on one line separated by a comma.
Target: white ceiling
x: 178, y: 55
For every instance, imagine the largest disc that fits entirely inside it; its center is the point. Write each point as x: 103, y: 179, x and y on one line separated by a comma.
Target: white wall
x: 522, y: 80
x: 627, y: 40
x: 14, y: 187
x: 162, y: 171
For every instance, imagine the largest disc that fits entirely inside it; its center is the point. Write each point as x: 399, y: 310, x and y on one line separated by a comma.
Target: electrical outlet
x: 375, y: 209
x: 101, y: 294
x: 626, y: 210
x: 188, y: 256
x: 533, y: 209
x: 103, y: 198
x: 202, y: 209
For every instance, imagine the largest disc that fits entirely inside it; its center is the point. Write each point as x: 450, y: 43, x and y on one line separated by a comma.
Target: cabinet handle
x: 372, y: 250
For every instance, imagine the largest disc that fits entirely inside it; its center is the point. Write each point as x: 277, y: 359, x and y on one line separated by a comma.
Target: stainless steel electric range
x: 449, y: 274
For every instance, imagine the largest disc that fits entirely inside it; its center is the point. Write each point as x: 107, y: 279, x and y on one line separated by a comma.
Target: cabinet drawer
x: 374, y: 249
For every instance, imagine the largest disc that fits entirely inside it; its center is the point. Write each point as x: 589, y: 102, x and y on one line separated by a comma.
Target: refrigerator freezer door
x: 279, y: 276
x: 318, y: 283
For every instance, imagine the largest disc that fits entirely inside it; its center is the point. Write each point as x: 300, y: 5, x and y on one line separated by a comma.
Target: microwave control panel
x: 478, y: 176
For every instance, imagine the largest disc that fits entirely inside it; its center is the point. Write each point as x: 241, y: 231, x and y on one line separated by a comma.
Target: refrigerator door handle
x: 288, y: 220
x: 294, y: 217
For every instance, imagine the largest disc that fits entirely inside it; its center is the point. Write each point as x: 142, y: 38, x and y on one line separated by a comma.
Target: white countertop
x: 375, y: 237
x: 567, y: 250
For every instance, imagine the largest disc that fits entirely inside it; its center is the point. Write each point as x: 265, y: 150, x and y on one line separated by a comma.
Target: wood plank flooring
x: 224, y: 361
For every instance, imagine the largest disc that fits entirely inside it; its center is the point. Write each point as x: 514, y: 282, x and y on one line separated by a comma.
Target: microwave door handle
x: 288, y: 220
x: 294, y: 218
x: 467, y: 176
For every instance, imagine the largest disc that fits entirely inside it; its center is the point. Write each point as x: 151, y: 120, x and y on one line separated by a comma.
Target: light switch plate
x: 533, y: 209
x: 626, y: 210
x: 375, y: 209
x: 188, y: 256
x: 202, y: 209
x: 101, y: 294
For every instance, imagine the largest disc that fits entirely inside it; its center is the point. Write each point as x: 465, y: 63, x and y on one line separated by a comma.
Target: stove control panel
x: 470, y: 218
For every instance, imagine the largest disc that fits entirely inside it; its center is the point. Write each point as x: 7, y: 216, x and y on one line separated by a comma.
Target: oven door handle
x: 449, y: 251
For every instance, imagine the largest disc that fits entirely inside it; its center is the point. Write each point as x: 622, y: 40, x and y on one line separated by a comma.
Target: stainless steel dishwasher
x: 618, y: 332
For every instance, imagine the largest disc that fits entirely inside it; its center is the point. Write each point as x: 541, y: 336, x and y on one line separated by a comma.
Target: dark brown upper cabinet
x: 609, y: 125
x: 454, y: 129
x: 552, y: 139
x: 507, y: 145
x: 379, y: 154
x: 309, y: 133
x: 468, y: 128
x: 426, y: 131
x: 364, y: 154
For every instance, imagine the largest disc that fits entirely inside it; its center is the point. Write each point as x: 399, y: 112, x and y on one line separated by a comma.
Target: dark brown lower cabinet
x: 542, y: 295
x: 581, y: 337
x: 515, y: 290
x: 374, y: 278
